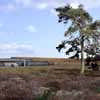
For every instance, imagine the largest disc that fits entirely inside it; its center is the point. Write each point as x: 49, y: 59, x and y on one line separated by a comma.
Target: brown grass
x: 24, y: 83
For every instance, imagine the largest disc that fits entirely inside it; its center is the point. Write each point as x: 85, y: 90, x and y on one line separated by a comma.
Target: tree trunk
x: 82, y: 55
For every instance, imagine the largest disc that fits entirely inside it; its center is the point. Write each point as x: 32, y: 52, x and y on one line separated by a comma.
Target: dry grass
x: 24, y: 70
x: 24, y: 83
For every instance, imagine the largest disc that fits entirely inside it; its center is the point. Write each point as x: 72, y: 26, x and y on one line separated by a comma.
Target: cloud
x: 7, y: 7
x: 31, y: 29
x: 13, y: 5
x: 88, y: 4
x: 49, y: 4
x: 14, y: 49
x: 24, y: 3
x: 53, y: 11
x: 42, y: 6
x: 74, y: 5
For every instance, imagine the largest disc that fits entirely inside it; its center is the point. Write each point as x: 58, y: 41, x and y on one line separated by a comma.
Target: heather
x: 41, y: 85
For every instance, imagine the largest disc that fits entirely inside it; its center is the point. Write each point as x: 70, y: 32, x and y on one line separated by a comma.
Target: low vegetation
x: 36, y: 84
x: 24, y: 69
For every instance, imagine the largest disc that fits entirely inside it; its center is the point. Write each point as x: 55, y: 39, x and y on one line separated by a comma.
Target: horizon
x: 34, y: 57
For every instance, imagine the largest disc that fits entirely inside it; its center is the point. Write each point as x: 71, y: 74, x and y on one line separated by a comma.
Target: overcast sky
x: 30, y: 27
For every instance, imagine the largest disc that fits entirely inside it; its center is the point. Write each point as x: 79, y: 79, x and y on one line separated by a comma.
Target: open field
x: 24, y: 69
x: 57, y: 70
x: 37, y: 83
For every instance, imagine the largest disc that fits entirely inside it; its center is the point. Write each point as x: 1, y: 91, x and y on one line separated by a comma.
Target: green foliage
x: 98, y: 89
x: 45, y: 96
x: 68, y: 13
x: 80, y: 22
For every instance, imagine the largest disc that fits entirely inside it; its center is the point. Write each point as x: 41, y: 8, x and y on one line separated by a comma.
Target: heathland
x: 49, y: 83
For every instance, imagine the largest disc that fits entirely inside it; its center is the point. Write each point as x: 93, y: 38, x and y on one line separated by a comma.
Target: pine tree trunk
x: 82, y: 55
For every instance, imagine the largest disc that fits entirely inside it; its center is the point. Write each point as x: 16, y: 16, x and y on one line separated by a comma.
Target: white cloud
x: 15, y: 49
x: 42, y: 6
x: 14, y: 46
x: 88, y: 4
x: 31, y: 29
x: 53, y: 11
x: 16, y: 4
x: 24, y: 3
x: 10, y: 7
x: 47, y: 4
x: 7, y: 7
x: 74, y: 5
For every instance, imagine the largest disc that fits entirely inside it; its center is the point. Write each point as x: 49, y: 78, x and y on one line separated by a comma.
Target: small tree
x: 81, y: 22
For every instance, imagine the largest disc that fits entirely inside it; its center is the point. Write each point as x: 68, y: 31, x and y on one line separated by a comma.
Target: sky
x: 31, y: 28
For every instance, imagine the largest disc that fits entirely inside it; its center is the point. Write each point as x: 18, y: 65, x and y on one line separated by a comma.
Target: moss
x: 98, y: 89
x: 45, y: 96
